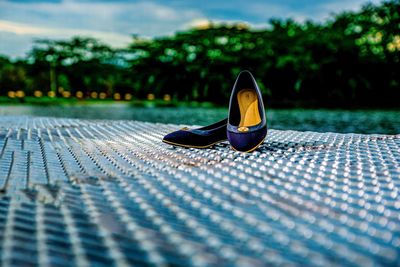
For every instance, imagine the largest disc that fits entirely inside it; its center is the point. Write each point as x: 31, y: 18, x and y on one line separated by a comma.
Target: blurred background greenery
x: 350, y: 61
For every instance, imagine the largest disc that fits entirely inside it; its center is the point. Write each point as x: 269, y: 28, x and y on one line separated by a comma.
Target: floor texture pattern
x: 110, y: 193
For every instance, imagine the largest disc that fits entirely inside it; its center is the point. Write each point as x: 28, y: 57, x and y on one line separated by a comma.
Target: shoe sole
x: 187, y: 146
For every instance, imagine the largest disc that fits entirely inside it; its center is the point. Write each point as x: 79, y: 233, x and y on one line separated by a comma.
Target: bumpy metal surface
x: 104, y: 193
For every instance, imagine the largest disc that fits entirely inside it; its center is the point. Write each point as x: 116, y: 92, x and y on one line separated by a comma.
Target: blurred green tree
x: 81, y: 64
x: 350, y: 60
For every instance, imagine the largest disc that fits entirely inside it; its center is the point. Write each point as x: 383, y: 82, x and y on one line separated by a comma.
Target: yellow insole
x: 248, y: 105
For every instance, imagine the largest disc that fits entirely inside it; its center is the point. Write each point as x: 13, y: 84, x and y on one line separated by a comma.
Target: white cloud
x: 111, y: 22
x: 324, y: 10
x: 145, y: 17
x: 34, y: 31
x: 14, y: 45
x: 17, y: 38
x: 318, y: 11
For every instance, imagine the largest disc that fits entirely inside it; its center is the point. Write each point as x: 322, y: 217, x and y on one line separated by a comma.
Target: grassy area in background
x: 44, y: 101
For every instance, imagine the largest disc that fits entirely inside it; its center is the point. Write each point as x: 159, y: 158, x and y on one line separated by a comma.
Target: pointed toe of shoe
x: 177, y: 137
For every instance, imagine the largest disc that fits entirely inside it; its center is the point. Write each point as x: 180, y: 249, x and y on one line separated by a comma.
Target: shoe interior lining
x: 248, y: 105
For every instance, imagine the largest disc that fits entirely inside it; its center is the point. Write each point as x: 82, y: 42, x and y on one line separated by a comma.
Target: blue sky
x: 22, y: 21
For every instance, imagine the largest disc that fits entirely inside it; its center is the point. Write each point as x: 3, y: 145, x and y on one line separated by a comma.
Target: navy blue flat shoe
x: 203, y: 137
x: 247, y: 124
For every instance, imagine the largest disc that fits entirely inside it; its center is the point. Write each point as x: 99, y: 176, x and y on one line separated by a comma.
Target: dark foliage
x: 351, y: 60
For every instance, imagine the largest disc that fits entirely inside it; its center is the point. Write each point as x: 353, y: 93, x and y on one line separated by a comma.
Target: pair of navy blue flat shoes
x: 245, y: 127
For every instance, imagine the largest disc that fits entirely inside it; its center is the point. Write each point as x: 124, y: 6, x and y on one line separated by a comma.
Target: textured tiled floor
x: 104, y: 193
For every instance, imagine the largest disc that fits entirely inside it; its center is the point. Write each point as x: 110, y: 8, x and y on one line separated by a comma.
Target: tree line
x: 349, y: 60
